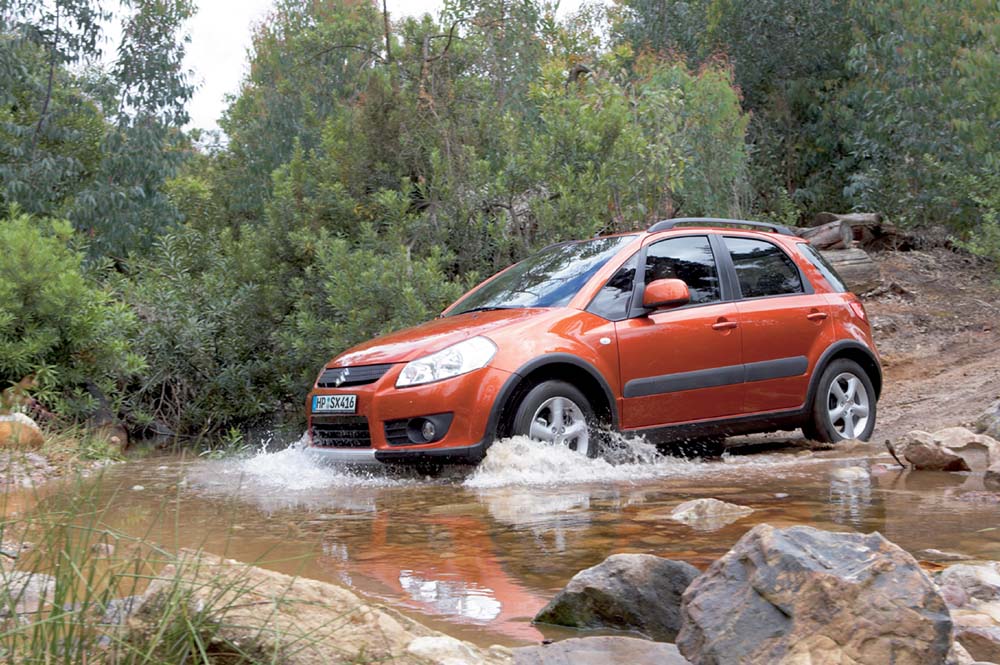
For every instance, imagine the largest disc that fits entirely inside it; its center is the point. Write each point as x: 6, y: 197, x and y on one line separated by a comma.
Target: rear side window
x: 824, y: 267
x: 612, y: 301
x: 763, y: 269
x: 690, y: 259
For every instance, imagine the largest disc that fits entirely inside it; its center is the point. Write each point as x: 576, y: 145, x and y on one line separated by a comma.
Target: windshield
x: 548, y: 279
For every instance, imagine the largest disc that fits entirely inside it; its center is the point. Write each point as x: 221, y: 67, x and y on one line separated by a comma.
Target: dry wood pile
x: 845, y: 239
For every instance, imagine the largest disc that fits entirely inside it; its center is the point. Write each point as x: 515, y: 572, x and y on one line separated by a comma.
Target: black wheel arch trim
x: 514, y: 380
x: 827, y: 357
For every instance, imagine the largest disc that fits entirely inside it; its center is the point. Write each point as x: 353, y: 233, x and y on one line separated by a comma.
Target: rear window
x: 824, y: 267
x: 763, y: 269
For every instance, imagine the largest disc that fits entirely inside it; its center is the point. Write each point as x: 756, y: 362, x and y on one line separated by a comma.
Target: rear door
x: 785, y: 324
x: 682, y: 364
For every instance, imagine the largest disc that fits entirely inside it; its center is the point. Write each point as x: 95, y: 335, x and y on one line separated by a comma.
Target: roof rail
x: 717, y: 221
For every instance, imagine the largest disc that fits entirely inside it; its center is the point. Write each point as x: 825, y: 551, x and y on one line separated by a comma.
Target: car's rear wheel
x: 557, y: 412
x: 844, y: 406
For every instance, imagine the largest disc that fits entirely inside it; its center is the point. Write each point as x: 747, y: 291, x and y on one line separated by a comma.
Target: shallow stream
x: 476, y: 553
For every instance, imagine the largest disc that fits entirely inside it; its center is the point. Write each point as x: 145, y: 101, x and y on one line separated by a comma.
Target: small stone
x: 781, y: 495
x: 709, y: 514
x: 991, y: 478
x: 137, y: 488
x: 444, y: 650
x: 603, y: 650
x: 103, y: 549
x: 850, y: 474
x: 937, y: 555
x: 982, y: 642
x: 980, y: 582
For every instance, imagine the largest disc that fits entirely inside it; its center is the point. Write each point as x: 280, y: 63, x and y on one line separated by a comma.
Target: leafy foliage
x: 55, y: 322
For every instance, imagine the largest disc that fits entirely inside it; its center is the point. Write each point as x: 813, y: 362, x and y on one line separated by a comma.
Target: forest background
x: 371, y: 169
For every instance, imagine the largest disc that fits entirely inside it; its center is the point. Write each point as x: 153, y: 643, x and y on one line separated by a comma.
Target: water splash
x: 523, y: 461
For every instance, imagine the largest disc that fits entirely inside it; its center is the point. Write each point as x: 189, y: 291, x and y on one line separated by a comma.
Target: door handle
x: 816, y: 316
x: 724, y: 325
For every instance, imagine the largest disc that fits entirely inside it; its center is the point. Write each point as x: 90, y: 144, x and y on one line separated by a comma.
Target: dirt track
x: 937, y: 329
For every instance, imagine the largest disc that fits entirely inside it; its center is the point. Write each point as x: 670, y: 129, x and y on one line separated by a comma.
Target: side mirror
x: 662, y: 293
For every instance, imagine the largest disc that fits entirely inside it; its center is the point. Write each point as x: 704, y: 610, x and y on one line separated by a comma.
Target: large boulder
x: 989, y: 422
x: 639, y: 592
x: 256, y: 615
x: 600, y: 651
x: 19, y: 431
x: 950, y: 449
x: 978, y: 450
x: 972, y: 591
x: 709, y: 514
x: 925, y: 454
x: 801, y: 595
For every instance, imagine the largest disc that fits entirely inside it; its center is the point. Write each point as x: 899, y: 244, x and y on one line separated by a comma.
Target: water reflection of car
x: 679, y: 333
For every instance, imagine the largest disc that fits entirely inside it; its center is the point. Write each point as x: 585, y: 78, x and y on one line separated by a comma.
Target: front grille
x: 341, y: 432
x: 352, y: 376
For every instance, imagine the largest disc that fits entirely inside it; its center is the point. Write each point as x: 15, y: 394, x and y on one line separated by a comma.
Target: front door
x: 683, y: 364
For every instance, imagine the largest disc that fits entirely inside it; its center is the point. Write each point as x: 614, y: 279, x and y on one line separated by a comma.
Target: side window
x: 823, y: 266
x: 690, y: 259
x: 612, y: 301
x: 763, y: 269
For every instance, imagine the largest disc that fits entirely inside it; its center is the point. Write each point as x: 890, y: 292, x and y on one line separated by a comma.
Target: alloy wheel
x: 847, y: 405
x: 560, y: 420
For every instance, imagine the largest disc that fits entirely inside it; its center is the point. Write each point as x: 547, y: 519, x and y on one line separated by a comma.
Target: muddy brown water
x: 475, y: 553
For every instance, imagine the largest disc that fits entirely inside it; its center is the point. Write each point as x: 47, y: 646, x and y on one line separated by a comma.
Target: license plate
x: 335, y: 403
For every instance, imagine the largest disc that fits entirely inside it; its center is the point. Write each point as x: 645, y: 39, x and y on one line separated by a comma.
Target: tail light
x: 859, y: 309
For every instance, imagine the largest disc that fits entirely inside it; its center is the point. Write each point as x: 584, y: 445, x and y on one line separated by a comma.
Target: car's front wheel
x: 844, y: 406
x: 557, y: 412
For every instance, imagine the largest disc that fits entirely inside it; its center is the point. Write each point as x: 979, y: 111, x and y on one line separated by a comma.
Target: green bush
x: 56, y: 322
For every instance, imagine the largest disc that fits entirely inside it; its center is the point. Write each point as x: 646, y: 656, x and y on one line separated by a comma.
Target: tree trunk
x: 857, y: 269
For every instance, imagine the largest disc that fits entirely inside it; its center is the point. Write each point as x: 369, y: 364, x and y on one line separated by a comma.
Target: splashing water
x: 523, y: 461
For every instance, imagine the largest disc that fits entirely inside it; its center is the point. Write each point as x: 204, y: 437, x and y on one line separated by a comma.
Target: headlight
x: 460, y: 358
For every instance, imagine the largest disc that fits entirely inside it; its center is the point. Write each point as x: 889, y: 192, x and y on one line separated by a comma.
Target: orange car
x: 689, y: 332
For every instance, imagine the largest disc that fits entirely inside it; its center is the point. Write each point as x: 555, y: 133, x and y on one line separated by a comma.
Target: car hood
x: 412, y: 343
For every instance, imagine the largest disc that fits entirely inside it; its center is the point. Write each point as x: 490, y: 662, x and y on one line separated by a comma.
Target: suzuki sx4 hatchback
x: 691, y: 331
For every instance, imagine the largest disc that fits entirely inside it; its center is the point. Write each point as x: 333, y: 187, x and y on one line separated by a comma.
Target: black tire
x: 822, y: 425
x: 541, y: 394
x: 704, y: 447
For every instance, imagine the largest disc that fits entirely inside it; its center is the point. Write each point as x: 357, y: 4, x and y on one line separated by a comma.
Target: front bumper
x: 456, y: 455
x: 472, y: 398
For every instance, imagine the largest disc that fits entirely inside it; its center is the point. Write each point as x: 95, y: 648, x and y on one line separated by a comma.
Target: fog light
x: 427, y: 430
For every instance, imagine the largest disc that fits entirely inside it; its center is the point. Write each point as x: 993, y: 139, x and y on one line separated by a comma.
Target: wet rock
x: 991, y: 478
x: 989, y: 422
x: 278, y: 618
x: 600, y: 651
x: 25, y: 592
x: 802, y: 595
x: 925, y: 454
x: 445, y: 650
x: 850, y: 474
x: 978, y: 450
x: 982, y: 642
x: 709, y: 514
x: 19, y: 431
x: 638, y: 592
x: 938, y: 555
x: 979, y: 582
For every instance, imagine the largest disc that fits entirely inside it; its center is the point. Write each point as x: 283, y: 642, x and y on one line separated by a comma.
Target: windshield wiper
x: 489, y: 308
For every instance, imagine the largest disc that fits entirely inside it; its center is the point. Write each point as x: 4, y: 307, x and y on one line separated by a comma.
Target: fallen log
x: 857, y: 269
x: 826, y: 236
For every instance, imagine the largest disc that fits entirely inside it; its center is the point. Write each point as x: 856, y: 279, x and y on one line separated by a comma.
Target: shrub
x: 56, y: 322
